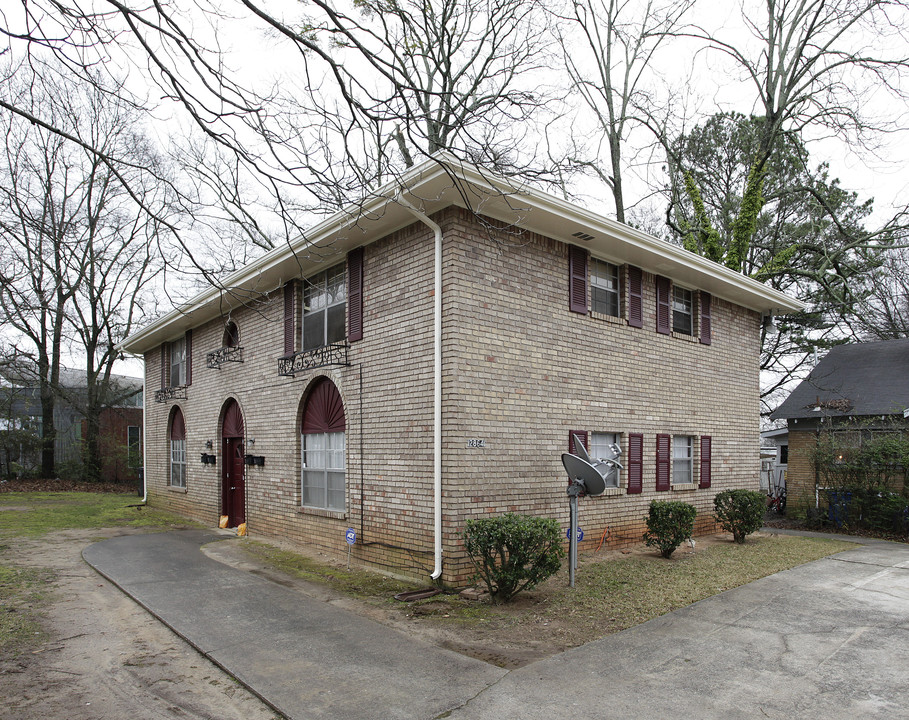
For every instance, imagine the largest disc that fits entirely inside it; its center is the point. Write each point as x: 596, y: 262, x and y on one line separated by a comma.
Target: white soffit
x: 432, y: 186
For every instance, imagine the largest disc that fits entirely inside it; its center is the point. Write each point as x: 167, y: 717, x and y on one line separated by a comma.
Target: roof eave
x: 432, y: 187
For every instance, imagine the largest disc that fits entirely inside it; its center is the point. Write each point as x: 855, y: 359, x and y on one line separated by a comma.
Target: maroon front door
x: 233, y: 491
x: 233, y: 482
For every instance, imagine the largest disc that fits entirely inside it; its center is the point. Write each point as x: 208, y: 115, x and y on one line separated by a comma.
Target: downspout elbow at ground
x: 437, y: 386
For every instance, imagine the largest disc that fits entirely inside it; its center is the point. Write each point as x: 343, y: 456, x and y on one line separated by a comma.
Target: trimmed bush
x: 669, y: 524
x: 513, y: 552
x: 740, y: 512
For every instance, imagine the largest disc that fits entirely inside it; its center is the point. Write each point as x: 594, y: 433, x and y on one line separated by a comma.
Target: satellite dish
x: 588, y: 474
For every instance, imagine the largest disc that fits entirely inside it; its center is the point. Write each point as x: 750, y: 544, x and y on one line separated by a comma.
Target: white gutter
x: 437, y: 387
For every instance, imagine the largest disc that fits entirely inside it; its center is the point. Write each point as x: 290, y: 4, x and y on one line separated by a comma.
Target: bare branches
x: 608, y: 68
x: 813, y: 63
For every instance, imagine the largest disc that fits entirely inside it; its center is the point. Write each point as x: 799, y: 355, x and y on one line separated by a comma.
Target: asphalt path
x: 829, y: 639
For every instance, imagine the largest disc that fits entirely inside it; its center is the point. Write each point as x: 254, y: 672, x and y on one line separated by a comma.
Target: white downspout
x: 437, y: 387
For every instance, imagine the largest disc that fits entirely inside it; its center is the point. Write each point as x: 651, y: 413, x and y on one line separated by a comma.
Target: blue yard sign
x: 351, y: 536
x: 580, y: 534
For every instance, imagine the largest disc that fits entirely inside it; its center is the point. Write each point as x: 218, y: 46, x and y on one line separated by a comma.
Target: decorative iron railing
x: 216, y: 358
x: 334, y: 354
x: 170, y: 393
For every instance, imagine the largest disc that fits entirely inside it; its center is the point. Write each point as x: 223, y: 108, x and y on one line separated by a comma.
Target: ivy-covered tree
x: 785, y: 223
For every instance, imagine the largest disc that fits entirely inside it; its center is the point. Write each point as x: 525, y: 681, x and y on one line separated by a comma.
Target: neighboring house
x: 854, y: 392
x: 121, y: 424
x: 774, y: 460
x: 423, y: 358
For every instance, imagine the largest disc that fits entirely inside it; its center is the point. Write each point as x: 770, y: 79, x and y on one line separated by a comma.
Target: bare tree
x: 77, y: 245
x: 883, y: 313
x: 378, y: 81
x: 608, y: 66
x: 814, y: 64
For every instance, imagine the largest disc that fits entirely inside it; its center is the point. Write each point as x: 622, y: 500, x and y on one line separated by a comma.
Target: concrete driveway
x: 829, y: 639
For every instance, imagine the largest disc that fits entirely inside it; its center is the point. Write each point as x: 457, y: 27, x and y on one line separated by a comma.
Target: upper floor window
x: 682, y: 310
x: 178, y: 362
x: 604, y: 288
x: 325, y: 308
x: 231, y: 335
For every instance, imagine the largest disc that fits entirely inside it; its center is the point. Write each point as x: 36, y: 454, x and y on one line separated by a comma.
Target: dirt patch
x: 104, y: 656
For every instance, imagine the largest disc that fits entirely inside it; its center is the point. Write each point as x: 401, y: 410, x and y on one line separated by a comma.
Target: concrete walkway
x: 304, y: 657
x: 829, y: 640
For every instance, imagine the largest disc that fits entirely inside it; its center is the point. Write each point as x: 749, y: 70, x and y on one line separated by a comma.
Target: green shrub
x: 669, y: 524
x: 740, y: 512
x: 513, y: 552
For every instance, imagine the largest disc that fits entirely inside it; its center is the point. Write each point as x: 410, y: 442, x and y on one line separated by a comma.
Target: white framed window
x: 600, y: 443
x: 178, y: 463
x: 134, y: 446
x: 325, y: 308
x: 323, y: 479
x: 682, y: 459
x: 178, y: 362
x: 682, y: 310
x: 177, y: 440
x: 605, y: 294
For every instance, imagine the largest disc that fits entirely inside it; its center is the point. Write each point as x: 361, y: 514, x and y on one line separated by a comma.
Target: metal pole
x: 573, y: 540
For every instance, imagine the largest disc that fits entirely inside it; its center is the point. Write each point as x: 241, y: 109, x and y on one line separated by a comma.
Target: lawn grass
x: 609, y: 594
x: 355, y: 583
x: 37, y: 513
x: 636, y: 588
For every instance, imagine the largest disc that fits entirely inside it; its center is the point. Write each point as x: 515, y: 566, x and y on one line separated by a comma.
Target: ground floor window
x: 322, y: 446
x: 177, y: 450
x: 323, y: 470
x: 134, y: 445
x: 600, y: 447
x: 682, y: 446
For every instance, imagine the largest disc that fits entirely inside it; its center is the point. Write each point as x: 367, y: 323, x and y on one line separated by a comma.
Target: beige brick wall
x: 800, y: 475
x: 519, y: 372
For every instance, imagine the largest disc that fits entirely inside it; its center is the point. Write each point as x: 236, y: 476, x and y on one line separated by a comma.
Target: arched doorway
x: 233, y: 483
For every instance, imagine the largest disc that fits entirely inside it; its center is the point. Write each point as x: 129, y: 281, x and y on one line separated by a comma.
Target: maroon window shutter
x: 289, y: 302
x: 177, y: 426
x: 232, y: 426
x: 635, y: 463
x: 582, y: 436
x: 577, y: 279
x: 189, y: 357
x: 663, y: 462
x: 706, y: 450
x: 635, y: 297
x: 355, y: 295
x: 324, y: 411
x: 663, y: 315
x: 165, y: 364
x: 705, y: 328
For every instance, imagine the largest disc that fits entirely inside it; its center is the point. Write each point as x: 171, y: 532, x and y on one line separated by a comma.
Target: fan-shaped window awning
x: 233, y: 421
x: 177, y: 426
x: 324, y: 411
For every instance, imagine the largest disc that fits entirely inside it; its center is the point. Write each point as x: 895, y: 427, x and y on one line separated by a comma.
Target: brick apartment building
x: 423, y: 358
